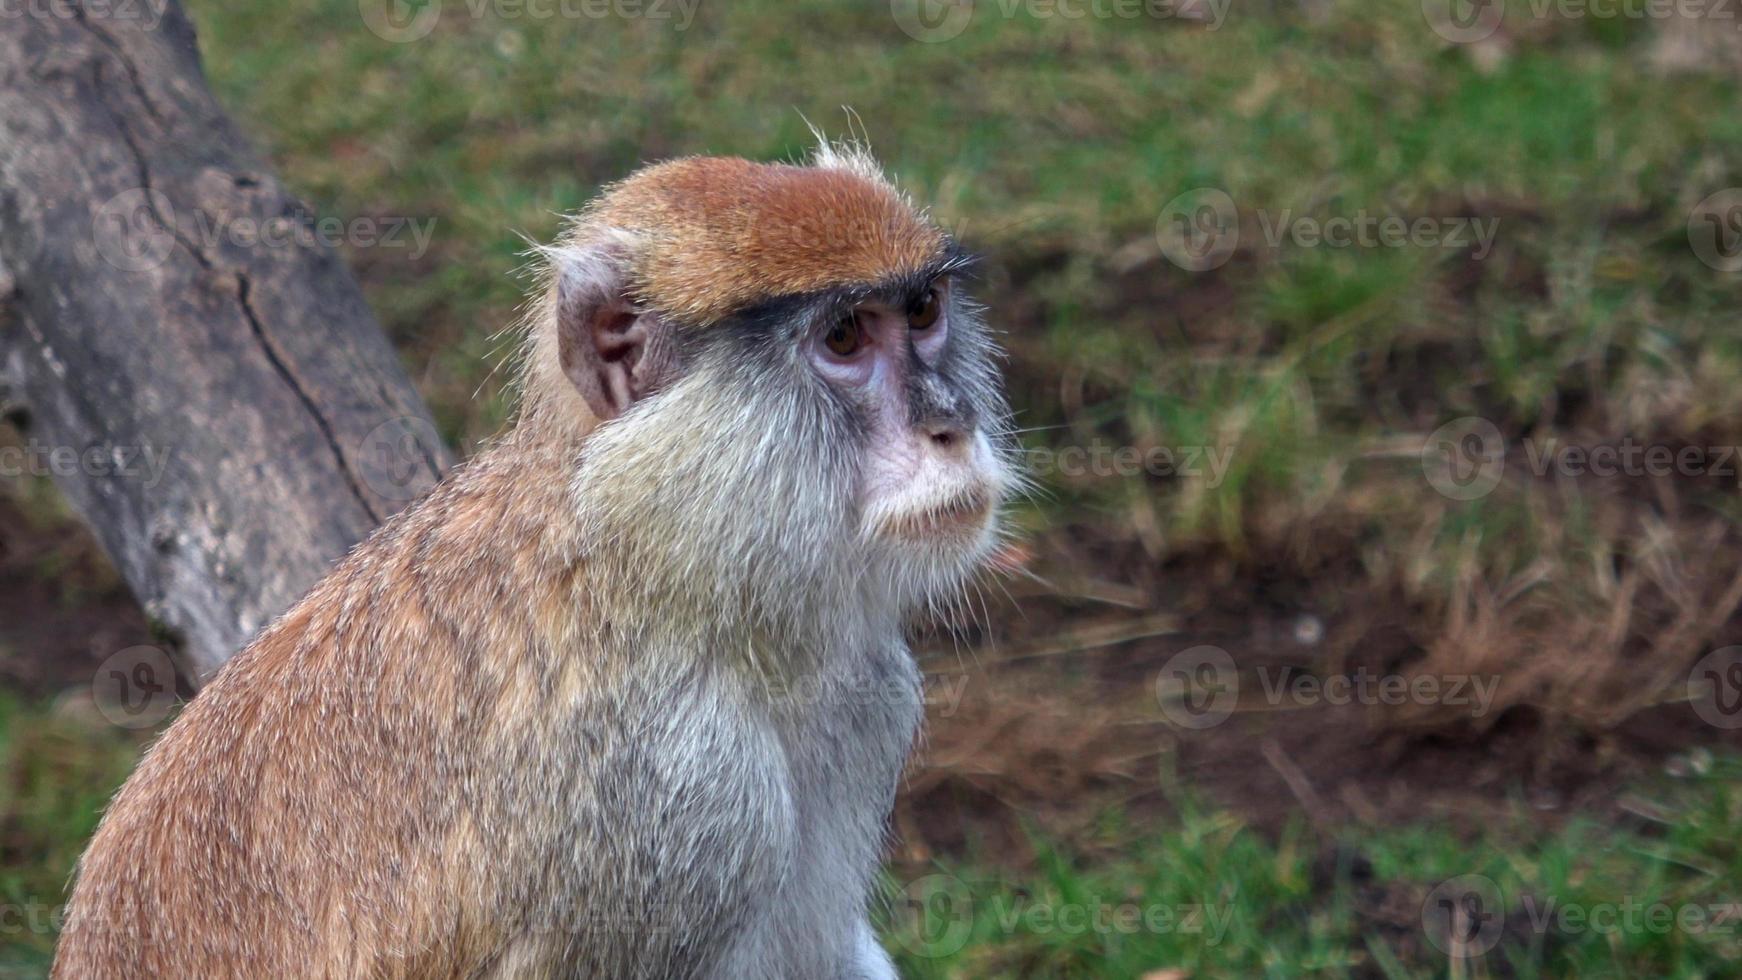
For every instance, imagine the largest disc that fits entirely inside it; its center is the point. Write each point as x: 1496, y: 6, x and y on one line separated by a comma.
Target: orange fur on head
x: 712, y: 235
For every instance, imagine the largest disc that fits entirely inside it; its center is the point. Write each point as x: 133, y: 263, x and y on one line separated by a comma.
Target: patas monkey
x: 628, y: 694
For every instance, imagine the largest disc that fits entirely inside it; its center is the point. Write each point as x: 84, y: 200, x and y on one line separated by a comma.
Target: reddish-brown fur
x: 383, y: 684
x: 348, y: 798
x: 719, y: 233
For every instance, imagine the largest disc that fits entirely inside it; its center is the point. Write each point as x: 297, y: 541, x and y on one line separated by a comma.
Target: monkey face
x: 794, y: 402
x: 930, y: 480
x: 822, y: 448
x: 893, y: 435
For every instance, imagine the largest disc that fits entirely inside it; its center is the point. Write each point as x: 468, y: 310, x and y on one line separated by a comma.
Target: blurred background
x: 1380, y: 370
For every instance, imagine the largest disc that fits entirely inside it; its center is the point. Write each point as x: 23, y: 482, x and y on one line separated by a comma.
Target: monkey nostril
x: 948, y: 438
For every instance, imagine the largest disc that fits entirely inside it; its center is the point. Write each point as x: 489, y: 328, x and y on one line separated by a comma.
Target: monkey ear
x: 614, y: 353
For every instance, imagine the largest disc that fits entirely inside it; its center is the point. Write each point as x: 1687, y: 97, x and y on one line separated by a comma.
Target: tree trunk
x: 198, y: 373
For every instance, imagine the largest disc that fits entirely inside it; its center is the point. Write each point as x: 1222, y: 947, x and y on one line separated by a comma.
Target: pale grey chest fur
x: 846, y: 747
x: 747, y: 817
x: 847, y: 728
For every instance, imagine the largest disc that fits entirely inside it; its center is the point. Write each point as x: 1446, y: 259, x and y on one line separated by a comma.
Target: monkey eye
x: 846, y: 337
x: 924, y: 313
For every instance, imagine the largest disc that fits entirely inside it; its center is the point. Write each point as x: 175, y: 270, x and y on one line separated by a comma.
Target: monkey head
x: 784, y: 399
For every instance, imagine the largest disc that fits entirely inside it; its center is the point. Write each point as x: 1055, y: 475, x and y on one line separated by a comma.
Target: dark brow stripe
x: 900, y: 289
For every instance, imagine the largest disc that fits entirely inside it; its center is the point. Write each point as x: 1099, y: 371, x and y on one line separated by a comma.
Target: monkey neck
x: 640, y: 579
x: 552, y: 418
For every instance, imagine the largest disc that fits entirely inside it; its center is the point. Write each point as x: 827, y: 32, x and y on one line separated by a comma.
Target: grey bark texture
x: 203, y: 380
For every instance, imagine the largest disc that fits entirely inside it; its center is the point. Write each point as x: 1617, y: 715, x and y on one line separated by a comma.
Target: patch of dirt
x: 63, y: 610
x: 1063, y: 708
x: 1049, y: 709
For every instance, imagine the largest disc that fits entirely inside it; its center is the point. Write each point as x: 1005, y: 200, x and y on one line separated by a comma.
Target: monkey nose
x: 949, y: 437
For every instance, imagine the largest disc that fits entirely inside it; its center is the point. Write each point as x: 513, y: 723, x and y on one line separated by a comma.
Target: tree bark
x: 199, y: 374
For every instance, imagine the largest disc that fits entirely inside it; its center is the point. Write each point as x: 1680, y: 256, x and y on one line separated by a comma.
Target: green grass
x: 57, y: 772
x: 1043, y: 139
x: 1211, y: 897
x: 1197, y: 891
x: 1054, y: 147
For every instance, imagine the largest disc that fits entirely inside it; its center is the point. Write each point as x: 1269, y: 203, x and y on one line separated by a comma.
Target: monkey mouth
x: 962, y: 513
